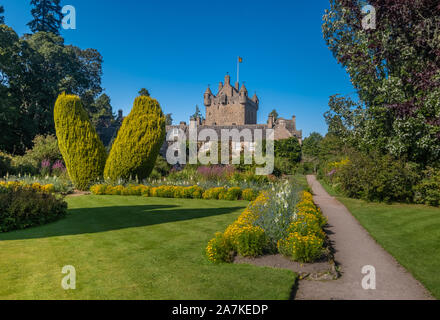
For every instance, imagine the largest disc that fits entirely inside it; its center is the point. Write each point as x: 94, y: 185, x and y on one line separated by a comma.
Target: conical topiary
x: 80, y: 146
x: 138, y: 142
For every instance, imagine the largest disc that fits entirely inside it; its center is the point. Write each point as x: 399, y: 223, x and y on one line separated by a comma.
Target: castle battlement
x: 231, y: 106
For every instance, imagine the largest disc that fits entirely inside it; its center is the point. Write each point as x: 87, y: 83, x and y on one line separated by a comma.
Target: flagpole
x: 238, y: 69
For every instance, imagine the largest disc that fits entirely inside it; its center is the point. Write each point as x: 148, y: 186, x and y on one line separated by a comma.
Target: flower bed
x: 165, y: 191
x: 50, y: 188
x: 301, y: 238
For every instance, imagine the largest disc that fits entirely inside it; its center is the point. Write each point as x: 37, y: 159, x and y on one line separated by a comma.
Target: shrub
x: 427, y: 191
x: 82, y: 150
x: 214, y: 193
x: 24, y: 207
x: 45, y: 147
x: 375, y: 178
x: 138, y: 142
x: 5, y: 165
x: 248, y: 194
x: 301, y: 248
x: 251, y: 241
x: 220, y: 249
x: 233, y: 193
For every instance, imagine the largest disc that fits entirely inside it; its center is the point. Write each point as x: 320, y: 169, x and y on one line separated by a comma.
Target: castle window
x: 175, y: 133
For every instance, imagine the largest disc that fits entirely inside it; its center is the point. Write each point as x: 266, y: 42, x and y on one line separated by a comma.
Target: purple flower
x: 45, y: 164
x: 216, y: 172
x: 58, y: 165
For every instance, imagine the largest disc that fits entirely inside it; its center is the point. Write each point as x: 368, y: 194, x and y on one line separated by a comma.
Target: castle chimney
x: 270, y: 122
x: 294, y: 122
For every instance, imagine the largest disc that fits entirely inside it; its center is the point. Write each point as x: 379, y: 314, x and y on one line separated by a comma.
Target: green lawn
x: 133, y: 248
x: 411, y: 233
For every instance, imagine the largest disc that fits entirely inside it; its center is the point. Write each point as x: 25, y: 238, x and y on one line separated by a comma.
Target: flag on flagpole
x: 240, y: 60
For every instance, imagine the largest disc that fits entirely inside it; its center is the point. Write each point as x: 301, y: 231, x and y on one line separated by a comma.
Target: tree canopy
x: 144, y: 92
x: 274, y: 114
x: 2, y: 17
x: 396, y: 71
x: 34, y: 70
x: 46, y: 16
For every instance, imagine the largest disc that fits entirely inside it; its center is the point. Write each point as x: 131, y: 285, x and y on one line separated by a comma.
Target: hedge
x: 82, y: 150
x: 191, y: 192
x: 139, y: 140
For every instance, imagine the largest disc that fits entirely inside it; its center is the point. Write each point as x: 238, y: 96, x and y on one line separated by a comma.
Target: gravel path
x: 354, y: 249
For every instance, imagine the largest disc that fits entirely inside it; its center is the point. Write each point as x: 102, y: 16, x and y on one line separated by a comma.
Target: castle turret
x: 243, y: 95
x: 208, y: 97
x: 255, y: 99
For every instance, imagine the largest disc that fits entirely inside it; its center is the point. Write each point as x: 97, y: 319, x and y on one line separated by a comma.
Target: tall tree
x: 395, y: 68
x: 2, y: 17
x: 310, y: 146
x: 33, y: 71
x: 144, y: 92
x: 169, y: 119
x: 274, y: 114
x: 46, y: 16
x: 197, y: 113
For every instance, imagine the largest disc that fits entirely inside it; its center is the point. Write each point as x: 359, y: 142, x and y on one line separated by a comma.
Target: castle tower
x: 231, y: 106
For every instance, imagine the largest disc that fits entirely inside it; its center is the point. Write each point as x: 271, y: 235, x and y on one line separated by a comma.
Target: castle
x: 232, y: 108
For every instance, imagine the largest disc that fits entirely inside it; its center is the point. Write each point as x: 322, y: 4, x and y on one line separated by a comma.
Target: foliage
x: 311, y: 145
x: 301, y: 248
x: 144, y: 92
x: 248, y: 194
x: 396, y: 71
x: 287, y: 155
x: 2, y: 18
x: 304, y: 239
x: 427, y: 191
x: 34, y: 70
x: 82, y: 150
x: 197, y: 113
x: 274, y: 114
x: 139, y: 139
x: 60, y: 184
x: 220, y: 249
x: 45, y: 147
x: 47, y: 16
x: 169, y: 119
x: 24, y: 207
x: 214, y: 193
x: 101, y: 111
x: 374, y: 177
x: 289, y: 149
x: 161, y: 169
x: 275, y: 220
x: 168, y: 191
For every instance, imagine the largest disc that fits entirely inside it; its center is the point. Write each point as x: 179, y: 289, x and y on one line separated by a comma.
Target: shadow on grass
x: 94, y: 220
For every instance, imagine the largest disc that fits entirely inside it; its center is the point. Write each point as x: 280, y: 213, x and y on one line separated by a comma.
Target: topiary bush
x: 139, y: 139
x: 82, y: 150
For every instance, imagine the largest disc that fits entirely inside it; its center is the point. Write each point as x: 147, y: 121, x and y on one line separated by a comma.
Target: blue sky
x: 176, y: 48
